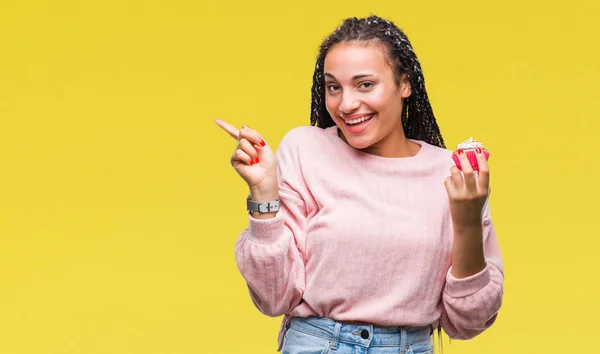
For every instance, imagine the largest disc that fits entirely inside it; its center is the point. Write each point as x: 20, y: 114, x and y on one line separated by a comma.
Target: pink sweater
x: 366, y: 239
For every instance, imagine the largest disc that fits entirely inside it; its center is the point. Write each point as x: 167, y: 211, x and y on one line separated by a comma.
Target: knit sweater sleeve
x: 270, y: 252
x: 471, y: 305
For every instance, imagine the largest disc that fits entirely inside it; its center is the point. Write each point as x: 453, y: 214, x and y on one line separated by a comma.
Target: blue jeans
x: 317, y: 335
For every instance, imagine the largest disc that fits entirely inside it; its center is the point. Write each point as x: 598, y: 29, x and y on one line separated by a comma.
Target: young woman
x: 362, y: 232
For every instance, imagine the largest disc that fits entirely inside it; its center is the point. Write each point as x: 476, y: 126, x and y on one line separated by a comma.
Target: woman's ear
x: 405, y: 87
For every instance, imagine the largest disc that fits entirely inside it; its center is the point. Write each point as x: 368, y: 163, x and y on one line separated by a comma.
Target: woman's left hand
x: 468, y: 192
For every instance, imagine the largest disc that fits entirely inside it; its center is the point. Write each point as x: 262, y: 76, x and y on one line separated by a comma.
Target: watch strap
x: 262, y: 207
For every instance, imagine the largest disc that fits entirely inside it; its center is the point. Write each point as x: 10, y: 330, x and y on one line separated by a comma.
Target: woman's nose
x: 349, y: 104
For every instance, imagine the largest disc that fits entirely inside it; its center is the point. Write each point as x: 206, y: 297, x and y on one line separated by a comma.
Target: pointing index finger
x: 231, y: 130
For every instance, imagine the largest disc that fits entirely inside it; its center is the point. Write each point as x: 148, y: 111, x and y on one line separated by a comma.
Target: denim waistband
x: 361, y: 334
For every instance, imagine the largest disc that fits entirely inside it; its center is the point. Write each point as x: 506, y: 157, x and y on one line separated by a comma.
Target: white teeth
x: 356, y: 121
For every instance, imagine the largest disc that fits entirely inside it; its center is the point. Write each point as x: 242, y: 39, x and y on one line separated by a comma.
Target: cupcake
x: 469, y: 146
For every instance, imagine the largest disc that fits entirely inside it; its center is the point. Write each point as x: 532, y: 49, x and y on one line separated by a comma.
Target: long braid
x: 418, y: 120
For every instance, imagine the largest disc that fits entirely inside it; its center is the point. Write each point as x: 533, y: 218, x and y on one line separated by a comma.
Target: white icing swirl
x: 469, y: 144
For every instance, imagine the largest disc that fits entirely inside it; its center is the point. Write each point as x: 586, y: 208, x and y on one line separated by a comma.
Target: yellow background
x: 119, y: 210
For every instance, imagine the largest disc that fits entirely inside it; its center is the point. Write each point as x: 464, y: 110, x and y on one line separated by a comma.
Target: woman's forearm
x: 468, y: 256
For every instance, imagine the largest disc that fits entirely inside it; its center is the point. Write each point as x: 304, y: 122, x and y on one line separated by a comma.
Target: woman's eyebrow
x: 355, y: 77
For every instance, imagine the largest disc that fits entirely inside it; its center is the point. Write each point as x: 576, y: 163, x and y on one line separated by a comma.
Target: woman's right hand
x: 254, y: 160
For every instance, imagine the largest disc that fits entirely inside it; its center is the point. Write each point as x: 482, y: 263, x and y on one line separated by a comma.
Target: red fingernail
x: 478, y: 150
x: 262, y: 143
x: 460, y: 151
x: 257, y: 160
x: 251, y: 163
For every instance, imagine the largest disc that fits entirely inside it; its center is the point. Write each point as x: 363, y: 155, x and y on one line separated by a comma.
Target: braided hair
x: 418, y: 120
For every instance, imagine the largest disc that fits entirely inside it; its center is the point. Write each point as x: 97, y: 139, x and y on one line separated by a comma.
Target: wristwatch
x: 262, y: 207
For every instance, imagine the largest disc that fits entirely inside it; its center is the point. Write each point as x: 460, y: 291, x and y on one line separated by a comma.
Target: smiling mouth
x: 359, y: 120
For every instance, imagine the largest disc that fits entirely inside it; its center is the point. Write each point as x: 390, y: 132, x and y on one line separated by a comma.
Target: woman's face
x: 362, y: 96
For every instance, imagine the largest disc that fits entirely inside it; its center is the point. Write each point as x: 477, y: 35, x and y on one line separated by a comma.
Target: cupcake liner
x: 472, y: 159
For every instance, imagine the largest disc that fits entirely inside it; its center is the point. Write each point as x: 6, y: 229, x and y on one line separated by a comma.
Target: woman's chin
x: 359, y: 142
x: 359, y: 137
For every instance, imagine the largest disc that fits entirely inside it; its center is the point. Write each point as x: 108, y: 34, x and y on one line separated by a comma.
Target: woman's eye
x: 366, y: 85
x: 332, y: 88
